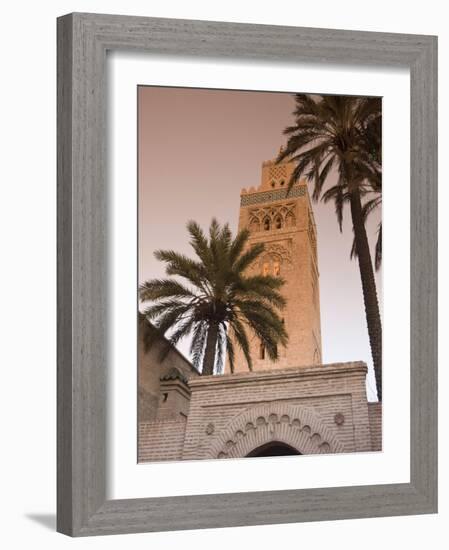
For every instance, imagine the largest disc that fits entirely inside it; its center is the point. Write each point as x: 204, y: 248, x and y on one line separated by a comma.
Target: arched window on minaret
x: 276, y: 268
x: 278, y: 222
x: 267, y: 224
x: 261, y: 351
x: 266, y: 269
x: 254, y: 225
x: 290, y: 220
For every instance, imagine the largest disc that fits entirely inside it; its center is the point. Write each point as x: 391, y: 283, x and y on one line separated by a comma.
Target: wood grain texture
x: 83, y: 40
x: 64, y: 277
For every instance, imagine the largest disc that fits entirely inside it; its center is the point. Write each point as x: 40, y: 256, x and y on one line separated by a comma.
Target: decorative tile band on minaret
x: 283, y: 221
x: 267, y: 196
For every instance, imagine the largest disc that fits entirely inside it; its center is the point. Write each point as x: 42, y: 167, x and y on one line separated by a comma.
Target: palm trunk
x: 369, y: 288
x: 209, y: 354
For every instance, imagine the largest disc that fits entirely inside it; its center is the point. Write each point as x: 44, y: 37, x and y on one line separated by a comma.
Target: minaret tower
x: 285, y: 224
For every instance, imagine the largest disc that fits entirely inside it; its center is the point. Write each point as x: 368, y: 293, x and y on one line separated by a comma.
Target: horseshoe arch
x: 295, y: 426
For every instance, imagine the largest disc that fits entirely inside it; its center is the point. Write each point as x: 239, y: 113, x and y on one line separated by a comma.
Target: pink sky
x: 197, y: 150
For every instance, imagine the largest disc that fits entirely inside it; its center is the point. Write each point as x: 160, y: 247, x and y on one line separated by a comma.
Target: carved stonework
x: 275, y: 260
x: 268, y: 196
x: 277, y: 171
x: 339, y: 419
x: 298, y: 427
x: 270, y: 218
x: 279, y: 251
x: 210, y: 428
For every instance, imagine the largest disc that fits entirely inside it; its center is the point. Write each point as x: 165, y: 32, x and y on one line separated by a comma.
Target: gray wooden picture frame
x: 83, y: 40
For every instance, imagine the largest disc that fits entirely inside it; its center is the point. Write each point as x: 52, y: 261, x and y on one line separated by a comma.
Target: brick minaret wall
x: 285, y: 224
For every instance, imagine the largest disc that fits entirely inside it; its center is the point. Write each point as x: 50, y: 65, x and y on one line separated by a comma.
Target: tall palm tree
x: 368, y: 207
x: 213, y: 300
x: 343, y: 134
x: 371, y: 171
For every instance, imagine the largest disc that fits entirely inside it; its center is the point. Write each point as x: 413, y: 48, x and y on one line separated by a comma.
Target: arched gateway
x: 273, y: 448
x: 297, y: 430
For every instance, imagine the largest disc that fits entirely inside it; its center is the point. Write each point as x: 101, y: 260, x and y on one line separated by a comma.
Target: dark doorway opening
x: 273, y: 448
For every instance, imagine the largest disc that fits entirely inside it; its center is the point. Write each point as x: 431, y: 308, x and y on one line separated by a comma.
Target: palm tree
x: 368, y: 207
x: 371, y: 171
x: 343, y: 133
x: 213, y: 300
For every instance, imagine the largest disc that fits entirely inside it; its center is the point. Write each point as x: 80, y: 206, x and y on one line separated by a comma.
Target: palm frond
x: 238, y: 245
x: 230, y: 352
x: 240, y: 337
x: 181, y: 265
x: 154, y: 310
x: 248, y: 257
x: 157, y: 289
x: 199, y: 243
x: 265, y: 323
x: 263, y: 287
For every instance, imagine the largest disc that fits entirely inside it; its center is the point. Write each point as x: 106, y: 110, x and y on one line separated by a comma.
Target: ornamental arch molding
x: 299, y: 427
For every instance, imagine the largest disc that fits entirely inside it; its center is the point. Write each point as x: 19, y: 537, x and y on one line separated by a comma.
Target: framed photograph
x: 247, y: 280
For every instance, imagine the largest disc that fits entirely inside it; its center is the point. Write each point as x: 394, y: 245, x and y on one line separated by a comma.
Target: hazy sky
x: 197, y: 150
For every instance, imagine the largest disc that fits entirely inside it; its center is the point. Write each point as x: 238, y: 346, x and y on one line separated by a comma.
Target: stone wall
x: 316, y: 409
x: 324, y: 405
x: 161, y: 440
x: 375, y: 420
x: 151, y: 369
